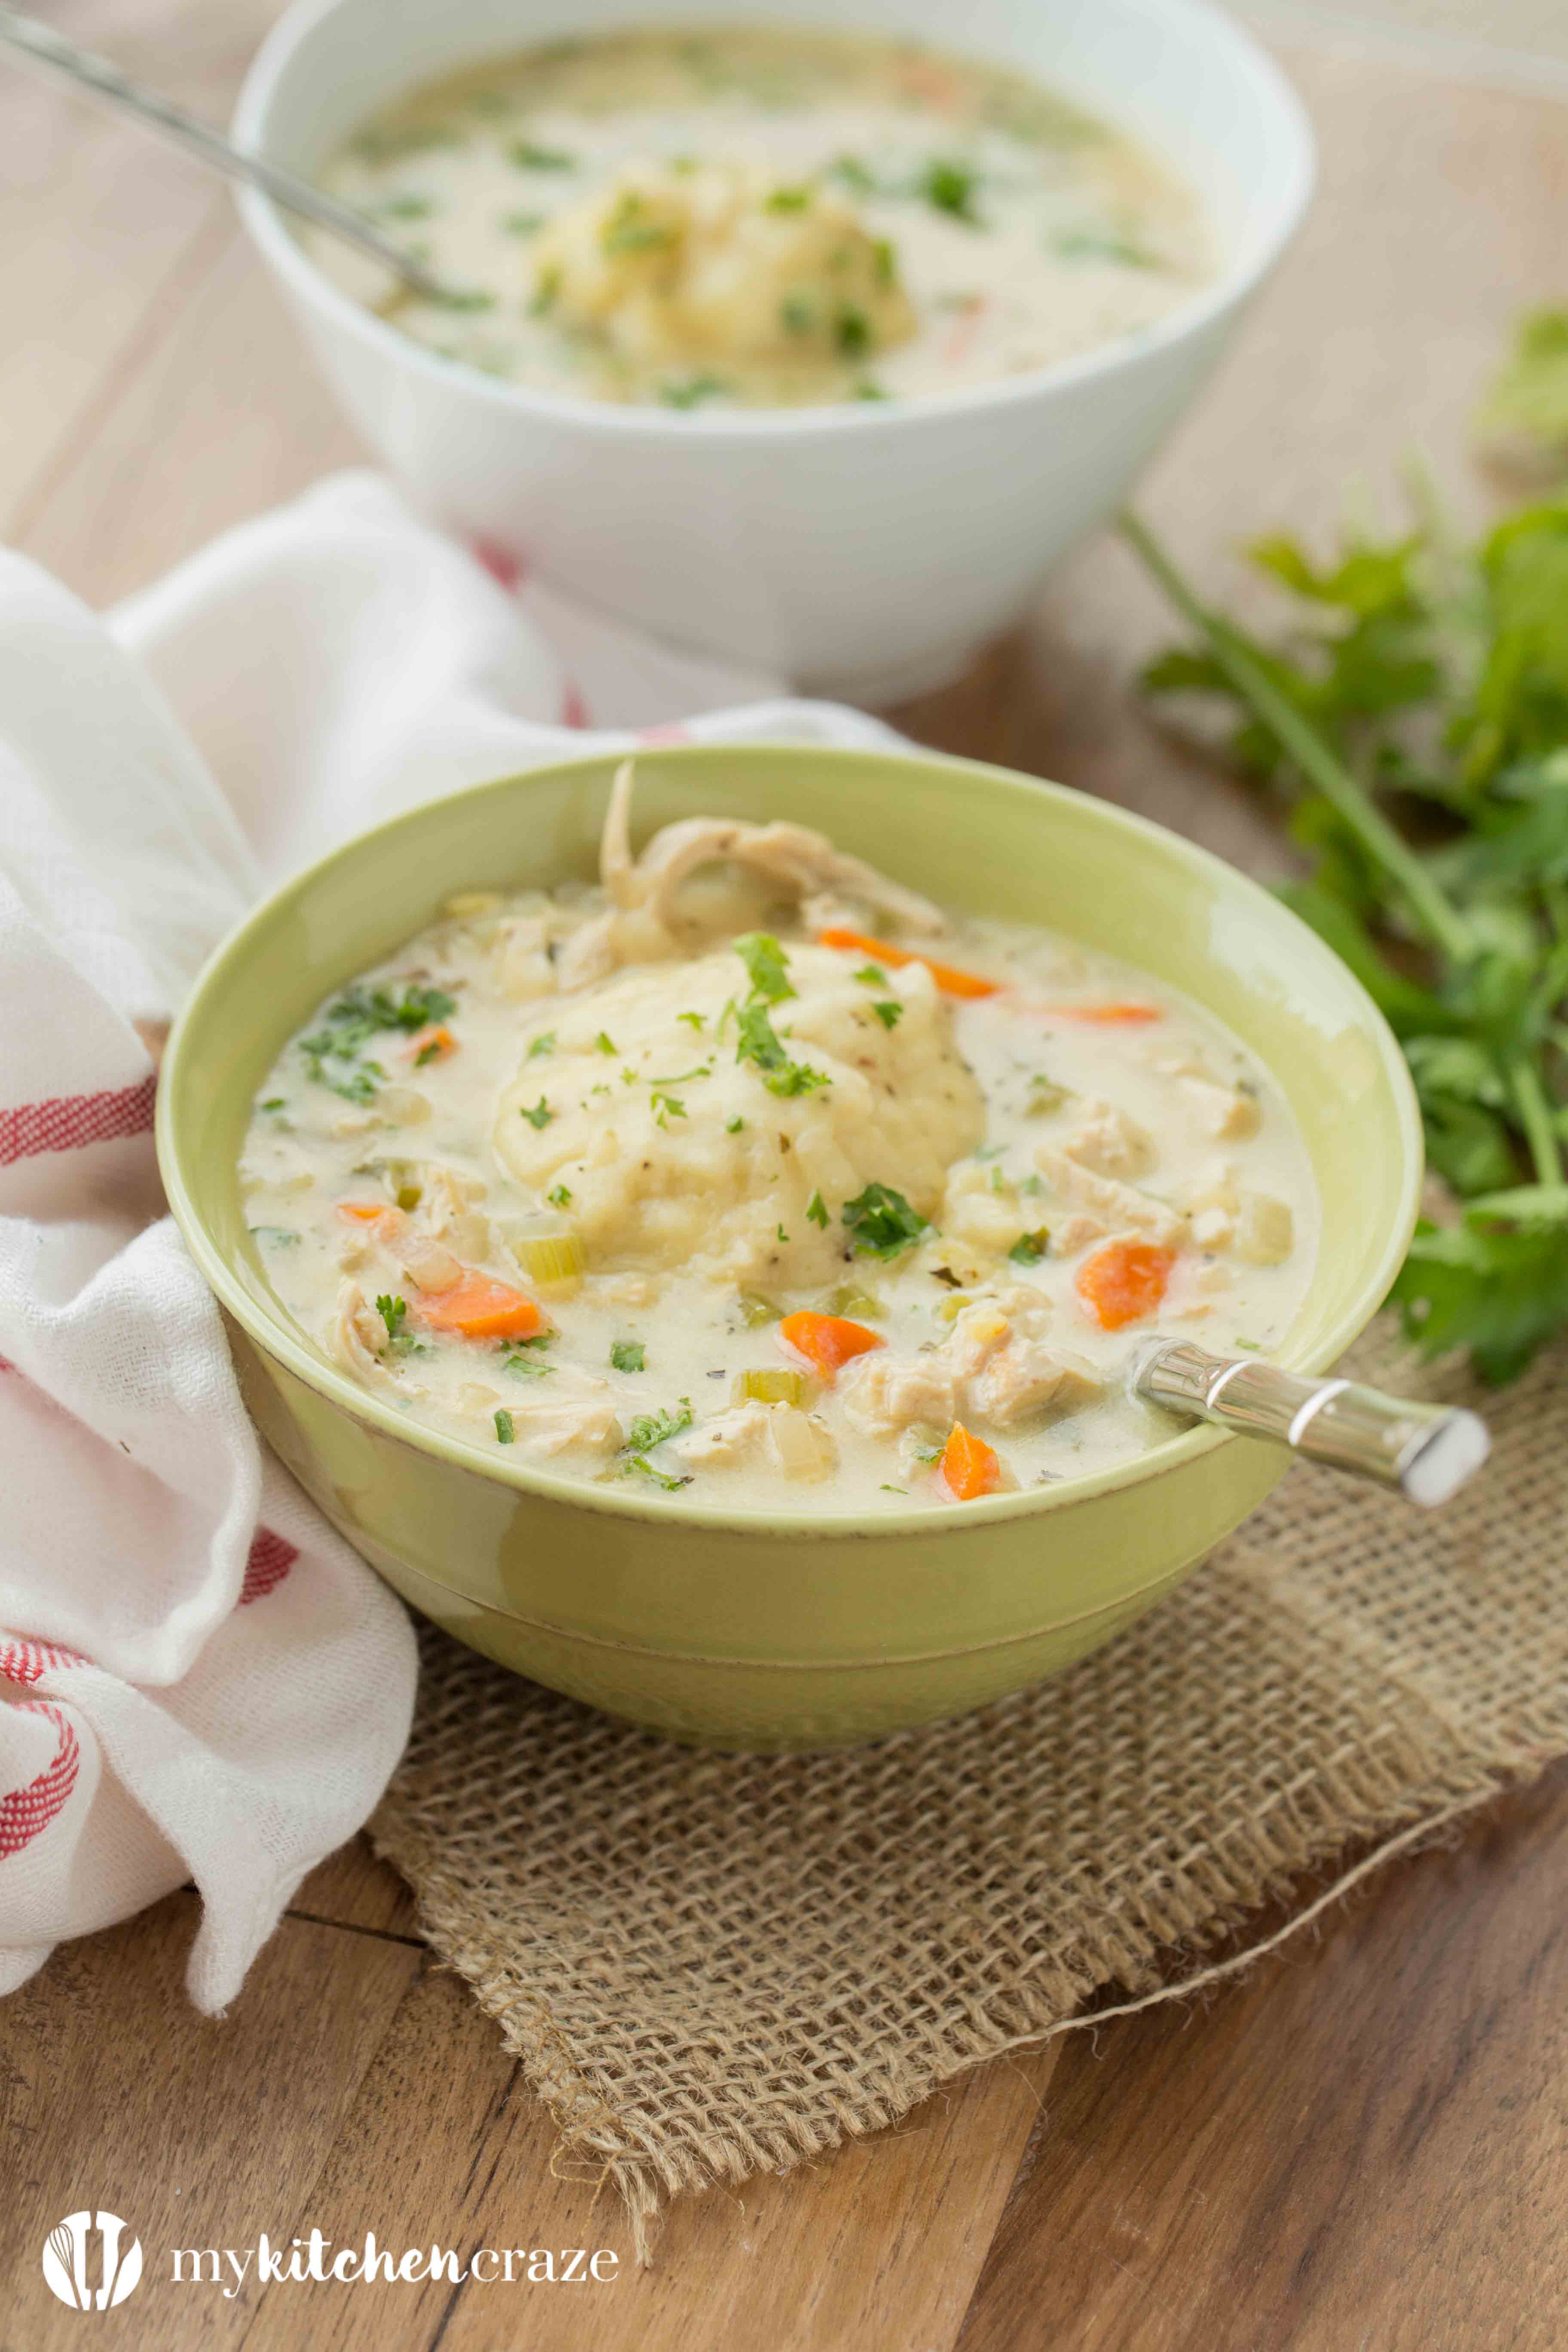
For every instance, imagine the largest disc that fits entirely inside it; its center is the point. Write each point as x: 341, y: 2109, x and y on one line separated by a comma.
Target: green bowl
x: 725, y: 1626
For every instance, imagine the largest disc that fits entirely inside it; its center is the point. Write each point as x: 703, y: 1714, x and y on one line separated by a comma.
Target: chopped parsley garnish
x: 604, y: 1045
x: 881, y: 1223
x: 786, y: 200
x: 853, y: 174
x: 430, y: 1052
x: 277, y: 1236
x: 781, y: 1233
x: 545, y: 1044
x: 529, y: 158
x: 758, y: 1043
x: 733, y: 1125
x: 872, y: 974
x: 666, y: 1107
x: 505, y: 1428
x: 884, y: 260
x: 691, y: 391
x: 950, y: 188
x: 393, y: 1313
x: 651, y: 1429
x: 626, y: 1355
x: 817, y: 1211
x: 461, y: 298
x: 540, y: 1116
x: 520, y: 1356
x: 852, y: 331
x: 273, y: 1102
x: 867, y: 390
x: 334, y: 1053
x: 559, y: 1196
x: 1030, y: 1248
x: 660, y: 1478
x: 692, y: 1019
x: 765, y: 966
x: 888, y: 1011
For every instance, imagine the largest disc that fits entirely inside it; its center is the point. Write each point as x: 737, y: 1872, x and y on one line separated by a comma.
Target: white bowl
x: 856, y: 548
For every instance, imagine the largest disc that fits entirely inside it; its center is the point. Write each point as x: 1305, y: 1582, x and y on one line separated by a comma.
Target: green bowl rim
x: 275, y: 1338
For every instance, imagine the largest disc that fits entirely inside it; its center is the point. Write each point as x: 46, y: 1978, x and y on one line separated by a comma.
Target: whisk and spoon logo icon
x: 69, y: 2263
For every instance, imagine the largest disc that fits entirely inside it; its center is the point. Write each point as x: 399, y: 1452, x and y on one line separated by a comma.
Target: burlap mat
x: 712, y: 1965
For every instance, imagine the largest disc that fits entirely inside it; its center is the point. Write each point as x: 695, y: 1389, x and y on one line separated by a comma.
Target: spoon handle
x: 1427, y: 1451
x: 40, y: 45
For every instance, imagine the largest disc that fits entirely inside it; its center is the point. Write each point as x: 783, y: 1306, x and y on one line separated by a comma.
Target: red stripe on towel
x: 271, y: 1557
x: 24, y: 1811
x: 68, y: 1122
x: 29, y: 1662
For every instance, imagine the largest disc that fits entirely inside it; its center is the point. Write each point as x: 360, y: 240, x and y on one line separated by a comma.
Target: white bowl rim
x: 281, y: 249
x: 273, y: 1331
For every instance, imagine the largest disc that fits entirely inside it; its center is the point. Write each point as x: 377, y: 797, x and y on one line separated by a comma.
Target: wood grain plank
x: 878, y: 2247
x: 197, y: 2131
x: 1360, y: 2147
x: 352, y: 1889
x: 96, y: 219
x: 216, y: 421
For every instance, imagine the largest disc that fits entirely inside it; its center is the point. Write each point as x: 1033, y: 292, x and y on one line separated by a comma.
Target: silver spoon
x: 42, y: 47
x: 1427, y: 1451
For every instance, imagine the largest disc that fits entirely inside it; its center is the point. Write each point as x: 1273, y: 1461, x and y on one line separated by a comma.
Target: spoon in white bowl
x: 1427, y: 1451
x: 40, y: 46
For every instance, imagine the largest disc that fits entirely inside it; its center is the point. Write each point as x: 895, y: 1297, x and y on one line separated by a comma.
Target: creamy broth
x: 754, y: 1177
x: 763, y: 218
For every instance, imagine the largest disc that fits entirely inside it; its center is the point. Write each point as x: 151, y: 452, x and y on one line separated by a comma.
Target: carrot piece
x: 432, y: 1044
x: 947, y: 976
x: 387, y: 1220
x: 968, y: 1466
x: 480, y: 1309
x: 1110, y: 1016
x: 1124, y: 1281
x: 827, y: 1341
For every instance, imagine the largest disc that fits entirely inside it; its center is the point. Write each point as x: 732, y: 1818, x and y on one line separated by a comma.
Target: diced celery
x: 850, y: 1299
x: 756, y: 1310
x: 554, y: 1261
x: 950, y: 1308
x: 774, y: 1384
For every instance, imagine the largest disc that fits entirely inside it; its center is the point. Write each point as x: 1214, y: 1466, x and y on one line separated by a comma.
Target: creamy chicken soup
x: 753, y: 1177
x: 762, y: 218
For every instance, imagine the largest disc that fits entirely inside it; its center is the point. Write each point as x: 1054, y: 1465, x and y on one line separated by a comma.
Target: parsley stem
x: 1296, y: 735
x: 1522, y: 1202
x: 1535, y: 1118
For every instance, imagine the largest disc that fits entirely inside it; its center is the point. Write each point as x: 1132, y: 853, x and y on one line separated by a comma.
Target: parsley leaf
x: 626, y: 1355
x: 817, y: 1211
x: 881, y: 1223
x: 758, y: 1043
x: 392, y: 1312
x: 1029, y: 1248
x: 540, y: 1116
x: 559, y: 1196
x: 545, y: 1044
x: 506, y: 1429
x: 765, y: 966
x: 888, y: 1011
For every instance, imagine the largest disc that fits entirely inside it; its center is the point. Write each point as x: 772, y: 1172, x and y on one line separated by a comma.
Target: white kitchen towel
x: 198, y: 1679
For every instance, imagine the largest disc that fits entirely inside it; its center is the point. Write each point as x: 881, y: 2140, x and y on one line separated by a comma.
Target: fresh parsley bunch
x: 1416, y: 722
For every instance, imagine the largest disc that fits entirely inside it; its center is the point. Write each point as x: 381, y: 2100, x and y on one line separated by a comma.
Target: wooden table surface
x: 1364, y: 2143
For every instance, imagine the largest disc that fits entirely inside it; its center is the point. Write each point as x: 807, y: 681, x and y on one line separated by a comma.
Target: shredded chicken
x: 358, y: 1338
x: 1111, y: 1143
x: 567, y: 1412
x: 1223, y: 1111
x: 640, y: 926
x: 1116, y: 1206
x: 882, y: 1393
x: 798, y: 1443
